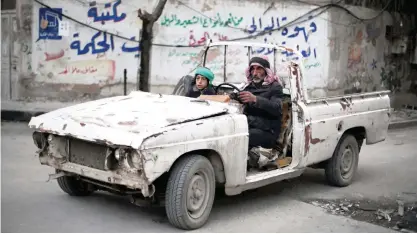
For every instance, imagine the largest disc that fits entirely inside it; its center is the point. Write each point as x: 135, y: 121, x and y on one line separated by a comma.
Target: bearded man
x: 262, y: 96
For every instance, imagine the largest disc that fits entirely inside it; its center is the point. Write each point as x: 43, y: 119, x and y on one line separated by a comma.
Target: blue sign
x: 49, y: 23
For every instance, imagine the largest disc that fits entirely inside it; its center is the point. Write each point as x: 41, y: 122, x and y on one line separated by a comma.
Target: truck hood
x: 126, y: 120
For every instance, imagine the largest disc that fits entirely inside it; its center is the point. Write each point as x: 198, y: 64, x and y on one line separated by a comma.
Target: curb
x: 25, y: 116
x: 402, y: 124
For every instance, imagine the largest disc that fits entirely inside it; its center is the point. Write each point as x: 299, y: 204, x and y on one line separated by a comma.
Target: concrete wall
x: 364, y: 58
x: 84, y: 63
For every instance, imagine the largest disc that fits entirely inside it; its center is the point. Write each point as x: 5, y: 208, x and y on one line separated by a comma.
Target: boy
x: 202, y: 84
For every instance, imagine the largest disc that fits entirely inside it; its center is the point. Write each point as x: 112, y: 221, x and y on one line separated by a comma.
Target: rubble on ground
x: 394, y: 215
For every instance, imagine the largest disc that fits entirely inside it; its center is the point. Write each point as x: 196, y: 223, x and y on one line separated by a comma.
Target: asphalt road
x: 30, y: 204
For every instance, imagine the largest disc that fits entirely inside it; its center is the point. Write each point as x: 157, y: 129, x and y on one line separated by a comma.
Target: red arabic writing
x: 203, y: 39
x: 76, y: 70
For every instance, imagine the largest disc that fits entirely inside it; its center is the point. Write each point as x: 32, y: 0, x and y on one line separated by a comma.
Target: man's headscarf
x: 263, y: 62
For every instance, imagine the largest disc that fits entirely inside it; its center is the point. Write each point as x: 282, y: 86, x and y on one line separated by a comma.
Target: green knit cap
x: 206, y: 73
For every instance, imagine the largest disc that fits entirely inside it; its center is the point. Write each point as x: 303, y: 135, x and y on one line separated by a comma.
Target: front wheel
x: 190, y: 192
x: 75, y: 187
x: 342, y: 167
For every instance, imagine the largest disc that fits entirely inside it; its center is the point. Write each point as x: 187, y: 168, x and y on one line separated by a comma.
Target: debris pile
x: 392, y: 215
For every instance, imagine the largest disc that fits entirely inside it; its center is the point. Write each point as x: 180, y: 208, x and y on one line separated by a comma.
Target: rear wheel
x: 342, y: 167
x: 75, y: 187
x: 190, y: 192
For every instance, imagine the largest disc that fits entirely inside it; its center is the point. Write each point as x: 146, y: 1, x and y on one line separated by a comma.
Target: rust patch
x: 294, y: 72
x: 307, y: 134
x: 129, y: 123
x: 316, y: 140
x: 308, y: 137
x: 297, y: 81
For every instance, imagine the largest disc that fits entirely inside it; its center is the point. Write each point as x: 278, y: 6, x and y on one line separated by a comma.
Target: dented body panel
x: 319, y: 124
x: 326, y: 123
x: 125, y: 120
x: 226, y: 136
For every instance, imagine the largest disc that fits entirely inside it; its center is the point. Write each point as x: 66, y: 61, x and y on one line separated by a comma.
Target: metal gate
x: 8, y: 60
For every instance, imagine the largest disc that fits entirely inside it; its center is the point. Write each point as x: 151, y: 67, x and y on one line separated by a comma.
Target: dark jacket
x: 266, y: 113
x: 194, y: 92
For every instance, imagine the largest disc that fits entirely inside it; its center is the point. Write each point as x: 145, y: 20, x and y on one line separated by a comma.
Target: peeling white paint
x: 125, y: 120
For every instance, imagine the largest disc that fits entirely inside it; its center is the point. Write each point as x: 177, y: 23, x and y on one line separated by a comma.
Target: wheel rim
x: 198, y: 194
x: 347, y: 162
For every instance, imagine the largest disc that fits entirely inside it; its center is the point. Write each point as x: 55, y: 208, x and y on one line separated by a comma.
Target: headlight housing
x: 134, y: 159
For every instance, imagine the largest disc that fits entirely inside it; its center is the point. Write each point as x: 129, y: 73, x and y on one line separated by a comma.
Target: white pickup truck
x: 175, y: 151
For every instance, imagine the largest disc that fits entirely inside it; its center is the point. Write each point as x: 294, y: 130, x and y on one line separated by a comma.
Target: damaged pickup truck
x: 175, y: 151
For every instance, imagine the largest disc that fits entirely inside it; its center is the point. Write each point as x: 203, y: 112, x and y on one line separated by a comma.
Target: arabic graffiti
x: 75, y: 70
x: 85, y: 69
x: 179, y: 53
x: 93, y: 13
x: 214, y: 60
x: 202, y: 21
x: 193, y: 42
x: 257, y: 27
x: 314, y: 65
x: 75, y: 45
x: 131, y: 49
x: 106, y: 44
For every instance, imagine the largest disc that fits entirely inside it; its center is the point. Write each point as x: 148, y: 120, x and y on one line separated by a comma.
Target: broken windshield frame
x: 277, y: 51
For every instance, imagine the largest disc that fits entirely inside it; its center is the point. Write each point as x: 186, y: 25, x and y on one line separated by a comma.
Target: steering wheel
x: 227, y: 84
x: 233, y: 96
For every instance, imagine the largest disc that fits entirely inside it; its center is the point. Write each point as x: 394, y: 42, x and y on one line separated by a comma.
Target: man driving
x: 262, y: 97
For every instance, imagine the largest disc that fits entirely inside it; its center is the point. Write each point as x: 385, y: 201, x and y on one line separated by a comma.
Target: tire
x: 338, y: 172
x: 75, y: 187
x: 184, y: 175
x: 183, y: 85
